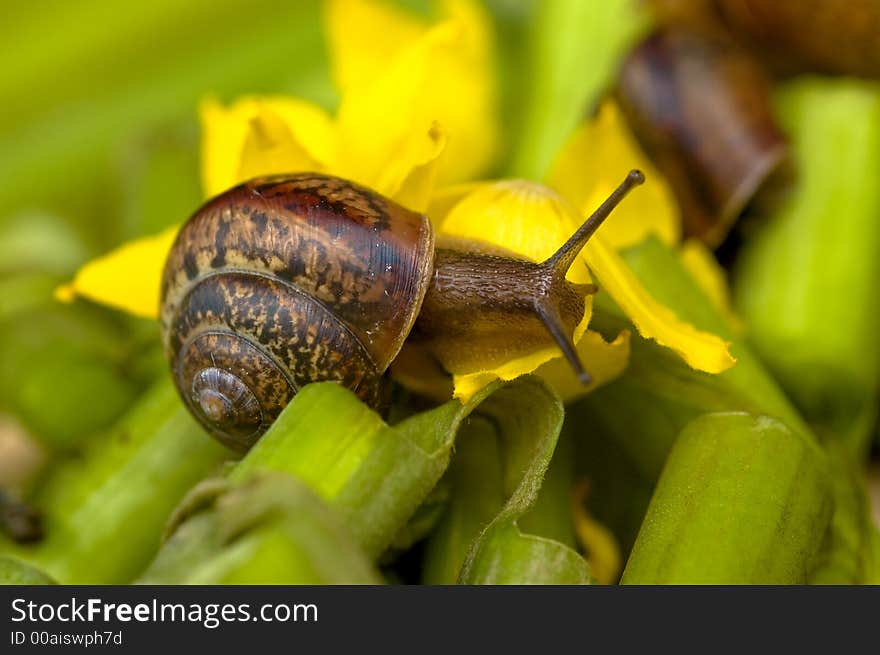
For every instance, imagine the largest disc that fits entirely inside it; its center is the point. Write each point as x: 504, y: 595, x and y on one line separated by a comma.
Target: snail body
x: 287, y: 280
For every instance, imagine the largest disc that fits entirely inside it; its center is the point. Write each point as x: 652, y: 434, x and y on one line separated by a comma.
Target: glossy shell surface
x: 283, y: 281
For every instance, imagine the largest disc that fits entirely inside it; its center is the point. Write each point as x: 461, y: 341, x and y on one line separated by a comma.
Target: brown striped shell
x: 283, y: 281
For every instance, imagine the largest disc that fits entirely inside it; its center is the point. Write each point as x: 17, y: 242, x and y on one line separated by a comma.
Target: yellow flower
x: 407, y: 96
x: 416, y: 105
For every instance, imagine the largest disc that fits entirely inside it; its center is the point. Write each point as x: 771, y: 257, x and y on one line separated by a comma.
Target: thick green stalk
x: 269, y: 530
x: 850, y: 554
x: 376, y: 476
x: 104, y: 512
x: 626, y: 429
x: 806, y: 281
x: 742, y: 500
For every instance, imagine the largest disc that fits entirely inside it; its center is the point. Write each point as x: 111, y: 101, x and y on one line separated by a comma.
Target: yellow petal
x: 591, y: 165
x: 464, y: 94
x: 270, y: 147
x: 384, y: 133
x: 701, y: 350
x: 127, y: 278
x: 447, y: 197
x: 443, y: 77
x: 292, y: 135
x: 468, y: 384
x: 604, y: 361
x: 424, y: 156
x: 712, y: 279
x: 223, y: 134
x: 356, y: 53
x: 520, y: 216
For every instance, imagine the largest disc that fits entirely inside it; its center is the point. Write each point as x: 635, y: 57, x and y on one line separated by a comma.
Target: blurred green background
x: 99, y: 121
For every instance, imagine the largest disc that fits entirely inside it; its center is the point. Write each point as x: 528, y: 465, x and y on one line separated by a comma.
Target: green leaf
x: 527, y: 424
x: 479, y: 494
x: 374, y: 475
x: 742, y: 500
x: 475, y: 478
x: 664, y: 275
x: 270, y: 529
x: 619, y: 490
x: 104, y: 511
x: 551, y: 514
x: 806, y: 280
x: 422, y: 523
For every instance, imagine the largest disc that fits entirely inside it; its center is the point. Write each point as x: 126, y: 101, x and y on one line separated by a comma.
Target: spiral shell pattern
x: 283, y: 281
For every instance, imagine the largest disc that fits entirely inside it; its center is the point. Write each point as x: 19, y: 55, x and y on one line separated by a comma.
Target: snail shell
x: 700, y: 106
x: 283, y: 281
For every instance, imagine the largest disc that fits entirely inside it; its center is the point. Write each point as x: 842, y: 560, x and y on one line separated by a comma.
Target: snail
x: 286, y: 280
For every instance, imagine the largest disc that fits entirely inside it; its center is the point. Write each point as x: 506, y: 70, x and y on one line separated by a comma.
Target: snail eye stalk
x: 557, y: 265
x: 562, y: 259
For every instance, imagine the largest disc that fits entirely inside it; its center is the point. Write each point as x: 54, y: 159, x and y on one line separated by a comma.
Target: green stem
x: 742, y: 500
x: 806, y: 282
x: 104, y: 512
x: 574, y: 47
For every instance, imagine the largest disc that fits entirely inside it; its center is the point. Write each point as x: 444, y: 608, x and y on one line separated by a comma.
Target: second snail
x: 293, y: 279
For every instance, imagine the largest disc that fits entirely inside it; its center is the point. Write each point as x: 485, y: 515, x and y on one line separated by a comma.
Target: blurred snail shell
x: 789, y: 36
x: 700, y: 107
x: 287, y: 280
x: 820, y: 36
